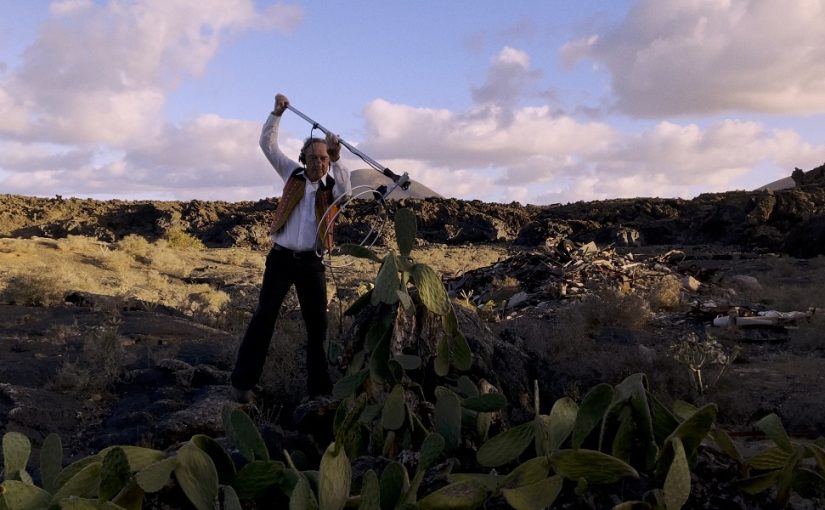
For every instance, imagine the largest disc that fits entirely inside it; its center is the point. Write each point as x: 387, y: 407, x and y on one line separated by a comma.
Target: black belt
x: 302, y: 255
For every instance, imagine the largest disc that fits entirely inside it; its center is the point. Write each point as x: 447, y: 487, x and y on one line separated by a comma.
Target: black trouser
x: 285, y: 268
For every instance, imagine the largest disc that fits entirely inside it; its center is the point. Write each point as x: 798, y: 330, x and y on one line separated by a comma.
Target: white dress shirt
x: 300, y: 231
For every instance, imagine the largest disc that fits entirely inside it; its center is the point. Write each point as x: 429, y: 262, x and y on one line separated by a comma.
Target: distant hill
x: 799, y: 177
x: 373, y: 179
x: 784, y: 183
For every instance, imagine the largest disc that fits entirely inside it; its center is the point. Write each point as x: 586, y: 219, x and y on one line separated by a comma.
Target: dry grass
x: 41, y: 272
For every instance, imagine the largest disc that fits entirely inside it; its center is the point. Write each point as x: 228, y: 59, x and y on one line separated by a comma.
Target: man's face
x: 317, y: 160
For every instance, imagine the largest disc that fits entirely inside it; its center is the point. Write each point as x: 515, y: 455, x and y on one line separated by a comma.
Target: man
x: 295, y: 258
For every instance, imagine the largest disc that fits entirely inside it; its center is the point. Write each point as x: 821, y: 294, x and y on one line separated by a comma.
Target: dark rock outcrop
x: 763, y: 220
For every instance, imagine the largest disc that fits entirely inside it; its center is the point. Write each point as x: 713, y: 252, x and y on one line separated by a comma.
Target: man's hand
x: 281, y: 102
x: 333, y: 147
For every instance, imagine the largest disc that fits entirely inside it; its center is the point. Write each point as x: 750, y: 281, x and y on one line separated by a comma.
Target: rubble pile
x: 539, y: 281
x: 562, y: 272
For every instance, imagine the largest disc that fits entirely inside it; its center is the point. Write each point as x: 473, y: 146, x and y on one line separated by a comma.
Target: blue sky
x: 534, y: 101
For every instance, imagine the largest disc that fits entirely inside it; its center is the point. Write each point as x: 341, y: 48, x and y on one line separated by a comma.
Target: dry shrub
x: 116, y: 261
x: 666, y: 293
x: 203, y: 300
x: 77, y: 244
x: 571, y: 330
x: 808, y: 336
x: 38, y: 288
x: 135, y: 245
x: 612, y: 308
x: 503, y: 288
x: 8, y: 246
x: 99, y: 363
x: 165, y: 259
x: 179, y: 239
x: 200, y: 301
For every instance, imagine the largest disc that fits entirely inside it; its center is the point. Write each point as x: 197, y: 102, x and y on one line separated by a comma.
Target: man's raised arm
x: 269, y: 140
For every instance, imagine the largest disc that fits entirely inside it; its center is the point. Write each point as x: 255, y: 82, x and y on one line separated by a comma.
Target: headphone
x: 302, y: 158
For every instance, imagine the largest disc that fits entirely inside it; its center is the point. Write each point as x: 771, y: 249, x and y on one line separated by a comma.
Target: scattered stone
x: 690, y: 283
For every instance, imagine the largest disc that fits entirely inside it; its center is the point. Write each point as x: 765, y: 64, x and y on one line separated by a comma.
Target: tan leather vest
x: 292, y: 195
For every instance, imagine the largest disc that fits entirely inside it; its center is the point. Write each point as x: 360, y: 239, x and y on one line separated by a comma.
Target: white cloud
x: 62, y: 7
x: 538, y: 155
x: 208, y: 149
x: 208, y: 157
x: 14, y: 118
x: 542, y: 157
x: 20, y: 157
x: 83, y: 113
x: 100, y: 72
x: 476, y: 137
x: 709, y: 56
x: 508, y: 79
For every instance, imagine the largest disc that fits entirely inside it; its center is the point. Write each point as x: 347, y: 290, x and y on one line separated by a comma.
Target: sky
x: 534, y: 101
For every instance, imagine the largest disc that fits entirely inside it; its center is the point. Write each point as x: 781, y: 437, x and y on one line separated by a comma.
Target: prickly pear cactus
x: 593, y: 466
x: 155, y: 477
x: 466, y: 494
x: 370, y: 492
x: 245, y: 435
x: 677, y: 483
x: 395, y: 482
x: 114, y: 474
x: 406, y: 228
x: 431, y: 290
x: 83, y: 484
x: 394, y: 413
x: 334, y: 479
x: 51, y: 460
x: 256, y: 477
x: 223, y: 462
x: 16, y: 452
x: 197, y: 476
x: 16, y: 494
x: 387, y: 283
x: 537, y: 495
x: 447, y: 419
x: 507, y: 446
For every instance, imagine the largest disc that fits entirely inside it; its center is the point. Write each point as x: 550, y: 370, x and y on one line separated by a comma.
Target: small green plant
x: 408, y: 326
x: 616, y: 433
x: 788, y: 466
